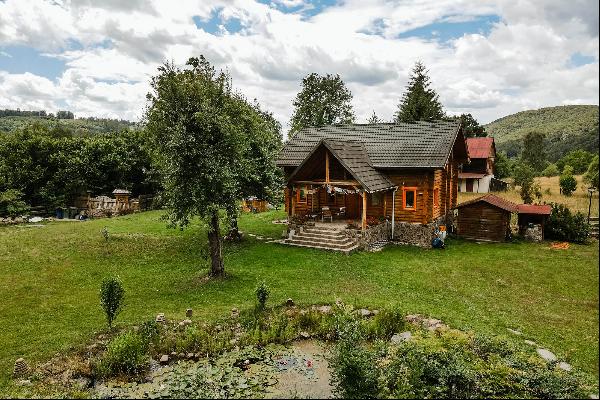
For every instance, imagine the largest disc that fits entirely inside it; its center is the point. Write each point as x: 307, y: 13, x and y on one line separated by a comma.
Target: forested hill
x: 77, y: 126
x: 566, y: 127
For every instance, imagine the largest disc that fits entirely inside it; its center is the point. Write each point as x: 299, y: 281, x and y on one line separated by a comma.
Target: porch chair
x: 342, y: 212
x: 326, y: 213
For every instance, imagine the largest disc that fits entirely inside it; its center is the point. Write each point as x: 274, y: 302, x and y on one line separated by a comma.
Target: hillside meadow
x: 51, y: 274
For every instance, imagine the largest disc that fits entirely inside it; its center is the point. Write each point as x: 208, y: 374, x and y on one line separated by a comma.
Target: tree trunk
x: 214, y: 243
x: 234, y: 232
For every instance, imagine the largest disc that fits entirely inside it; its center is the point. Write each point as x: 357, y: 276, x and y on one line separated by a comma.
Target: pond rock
x: 164, y: 359
x: 363, y: 312
x: 401, y: 337
x: 565, y: 366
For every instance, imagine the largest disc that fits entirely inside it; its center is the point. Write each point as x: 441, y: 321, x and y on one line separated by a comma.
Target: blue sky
x: 490, y: 58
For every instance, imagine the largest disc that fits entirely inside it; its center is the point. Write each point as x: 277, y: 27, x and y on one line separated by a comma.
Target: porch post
x: 393, y: 210
x: 364, y: 211
x: 293, y: 195
x: 326, y: 166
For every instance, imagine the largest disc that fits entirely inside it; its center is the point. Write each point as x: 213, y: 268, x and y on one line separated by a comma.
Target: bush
x: 112, y: 295
x: 11, y: 203
x: 447, y: 364
x: 125, y: 354
x: 563, y: 225
x: 262, y: 292
x: 567, y: 182
x: 550, y: 170
x: 353, y: 371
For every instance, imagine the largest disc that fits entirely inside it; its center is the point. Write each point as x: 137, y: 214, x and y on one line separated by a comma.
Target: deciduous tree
x: 323, y: 100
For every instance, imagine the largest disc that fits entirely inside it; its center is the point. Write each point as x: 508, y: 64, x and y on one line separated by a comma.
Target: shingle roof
x: 543, y: 209
x: 480, y: 147
x: 421, y: 144
x: 493, y: 200
x: 121, y: 191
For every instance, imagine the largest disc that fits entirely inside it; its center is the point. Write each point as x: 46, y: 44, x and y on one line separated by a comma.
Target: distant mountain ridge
x: 566, y: 127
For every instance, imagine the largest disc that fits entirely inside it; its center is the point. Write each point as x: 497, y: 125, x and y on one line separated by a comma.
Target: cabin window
x: 410, y: 198
x: 376, y: 199
x: 436, y: 197
x: 302, y: 193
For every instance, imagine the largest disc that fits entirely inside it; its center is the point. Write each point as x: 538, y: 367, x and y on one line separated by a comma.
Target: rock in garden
x: 530, y: 342
x: 182, y: 355
x: 173, y: 354
x: 235, y: 313
x: 164, y: 359
x: 160, y: 317
x: 375, y: 312
x: 187, y: 321
x: 593, y: 396
x: 325, y: 309
x: 514, y: 331
x: 20, y: 367
x: 289, y: 303
x: 546, y: 354
x: 363, y: 312
x: 181, y: 323
x: 401, y: 337
x: 189, y: 312
x: 564, y: 366
x: 190, y: 356
x: 24, y: 382
x: 304, y: 335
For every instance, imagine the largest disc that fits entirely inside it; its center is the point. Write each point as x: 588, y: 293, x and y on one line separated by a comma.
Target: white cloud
x: 522, y: 63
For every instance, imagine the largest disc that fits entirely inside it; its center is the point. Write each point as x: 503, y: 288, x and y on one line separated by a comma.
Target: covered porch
x: 336, y: 184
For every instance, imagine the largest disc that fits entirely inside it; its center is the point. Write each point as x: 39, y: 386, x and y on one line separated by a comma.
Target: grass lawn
x: 50, y: 277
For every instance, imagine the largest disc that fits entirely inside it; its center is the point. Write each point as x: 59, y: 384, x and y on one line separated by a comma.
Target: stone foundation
x: 404, y: 233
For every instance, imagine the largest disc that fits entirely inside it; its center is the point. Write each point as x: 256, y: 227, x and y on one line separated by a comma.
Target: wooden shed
x: 533, y: 214
x: 485, y: 218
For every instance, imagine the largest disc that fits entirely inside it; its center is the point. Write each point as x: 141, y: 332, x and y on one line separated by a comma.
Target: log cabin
x: 402, y: 172
x: 478, y: 176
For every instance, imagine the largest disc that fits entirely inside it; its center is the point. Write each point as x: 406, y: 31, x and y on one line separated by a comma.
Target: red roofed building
x: 478, y: 175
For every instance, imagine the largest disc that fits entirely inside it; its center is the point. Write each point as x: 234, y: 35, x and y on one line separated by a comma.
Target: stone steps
x: 324, y: 238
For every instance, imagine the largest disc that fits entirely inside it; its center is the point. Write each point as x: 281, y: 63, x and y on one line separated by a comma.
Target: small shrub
x: 112, y: 295
x: 262, y: 293
x: 11, y: 203
x: 150, y: 332
x: 386, y: 323
x: 125, y: 354
x: 353, y: 367
x: 567, y: 183
x: 563, y: 225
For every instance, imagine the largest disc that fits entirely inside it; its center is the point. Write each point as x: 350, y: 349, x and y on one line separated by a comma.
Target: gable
x: 352, y: 156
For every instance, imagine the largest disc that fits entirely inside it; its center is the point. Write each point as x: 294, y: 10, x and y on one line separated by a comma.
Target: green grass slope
x: 566, y: 127
x: 79, y: 127
x: 50, y: 278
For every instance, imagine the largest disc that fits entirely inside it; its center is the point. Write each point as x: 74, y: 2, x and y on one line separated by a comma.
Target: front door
x: 353, y: 206
x: 469, y: 185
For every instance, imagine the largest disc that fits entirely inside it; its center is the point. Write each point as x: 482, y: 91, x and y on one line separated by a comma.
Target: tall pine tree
x: 419, y: 102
